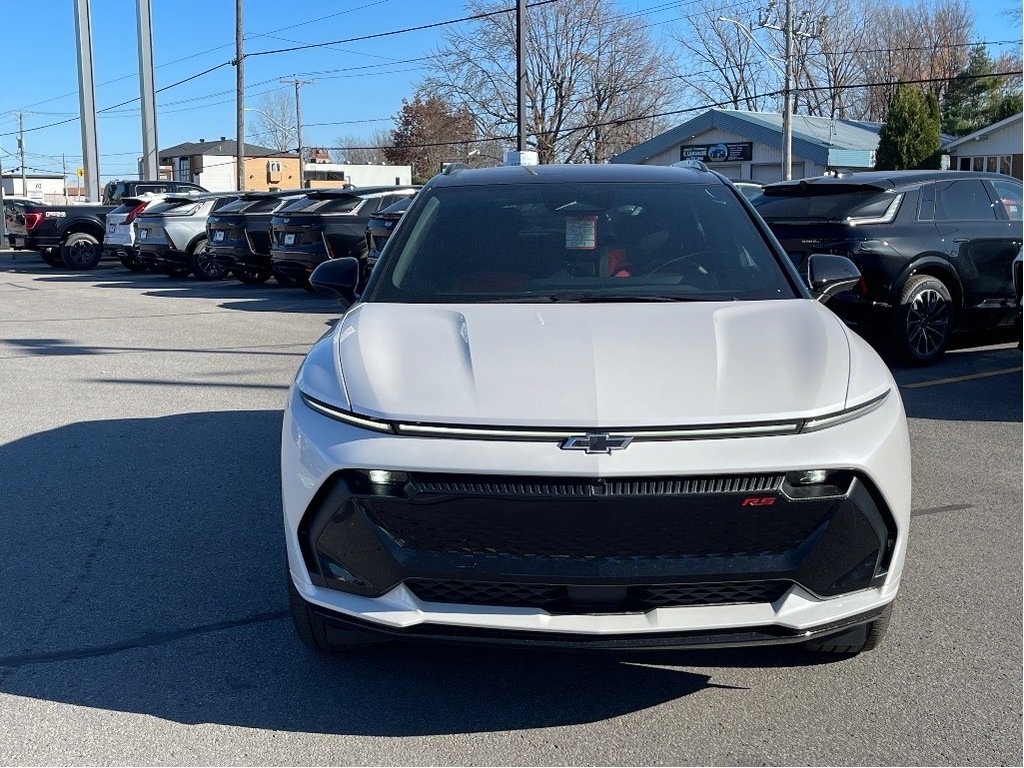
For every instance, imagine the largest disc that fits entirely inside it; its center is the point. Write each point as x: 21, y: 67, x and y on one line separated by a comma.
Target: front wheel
x: 251, y: 276
x: 80, y: 251
x: 202, y: 266
x: 312, y: 632
x: 865, y: 637
x: 131, y: 261
x: 923, y: 320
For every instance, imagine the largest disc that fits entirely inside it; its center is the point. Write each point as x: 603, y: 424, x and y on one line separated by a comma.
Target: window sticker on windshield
x: 581, y: 233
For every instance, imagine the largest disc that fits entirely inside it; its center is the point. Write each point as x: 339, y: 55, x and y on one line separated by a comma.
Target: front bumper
x: 389, y: 562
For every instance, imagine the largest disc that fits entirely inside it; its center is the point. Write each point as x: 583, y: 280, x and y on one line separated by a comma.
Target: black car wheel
x: 202, y: 266
x: 52, y: 258
x: 81, y: 251
x: 866, y: 637
x: 251, y: 276
x: 132, y: 262
x: 311, y: 631
x: 924, y: 320
x: 173, y: 270
x: 283, y: 279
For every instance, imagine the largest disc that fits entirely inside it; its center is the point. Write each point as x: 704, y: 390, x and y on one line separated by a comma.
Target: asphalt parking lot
x: 143, y: 611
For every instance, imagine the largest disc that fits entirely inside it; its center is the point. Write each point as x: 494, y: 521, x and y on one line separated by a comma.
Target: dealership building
x: 748, y: 145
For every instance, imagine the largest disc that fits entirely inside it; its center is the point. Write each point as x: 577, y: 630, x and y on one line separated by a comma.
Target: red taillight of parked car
x: 134, y: 212
x: 33, y: 220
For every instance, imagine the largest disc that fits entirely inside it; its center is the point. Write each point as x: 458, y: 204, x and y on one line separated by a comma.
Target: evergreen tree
x: 910, y: 137
x: 974, y: 97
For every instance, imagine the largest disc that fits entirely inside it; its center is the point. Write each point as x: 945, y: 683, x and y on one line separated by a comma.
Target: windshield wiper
x: 596, y: 298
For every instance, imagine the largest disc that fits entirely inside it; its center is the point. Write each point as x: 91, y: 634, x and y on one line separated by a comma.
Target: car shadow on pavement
x: 144, y: 572
x: 979, y: 384
x: 229, y: 293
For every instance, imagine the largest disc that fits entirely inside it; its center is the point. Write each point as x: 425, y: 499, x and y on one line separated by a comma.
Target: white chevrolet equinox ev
x: 592, y: 406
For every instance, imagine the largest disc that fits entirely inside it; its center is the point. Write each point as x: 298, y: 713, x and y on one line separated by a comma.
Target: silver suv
x: 170, y: 237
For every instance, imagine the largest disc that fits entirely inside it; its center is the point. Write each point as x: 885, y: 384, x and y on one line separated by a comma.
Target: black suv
x: 380, y: 227
x: 934, y: 248
x: 326, y: 224
x: 238, y: 235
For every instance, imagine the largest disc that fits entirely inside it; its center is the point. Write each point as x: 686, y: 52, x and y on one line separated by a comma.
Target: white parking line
x: 967, y: 377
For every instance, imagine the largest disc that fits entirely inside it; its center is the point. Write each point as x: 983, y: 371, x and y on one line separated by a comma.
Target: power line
x: 674, y: 112
x: 392, y: 33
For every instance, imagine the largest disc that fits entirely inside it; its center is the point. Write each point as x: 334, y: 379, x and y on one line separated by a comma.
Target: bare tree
x: 925, y: 41
x: 721, y: 65
x: 362, y: 150
x: 275, y: 121
x: 594, y: 76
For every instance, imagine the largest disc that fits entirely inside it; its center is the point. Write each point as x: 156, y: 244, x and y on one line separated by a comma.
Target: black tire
x: 923, y: 320
x: 173, y: 270
x: 310, y: 628
x: 201, y: 265
x: 131, y: 262
x: 866, y: 637
x: 52, y: 258
x: 283, y: 280
x: 251, y: 276
x: 81, y: 251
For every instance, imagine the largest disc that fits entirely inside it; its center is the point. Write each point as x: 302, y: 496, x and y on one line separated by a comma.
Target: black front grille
x: 557, y: 598
x: 661, y: 527
x: 472, y: 485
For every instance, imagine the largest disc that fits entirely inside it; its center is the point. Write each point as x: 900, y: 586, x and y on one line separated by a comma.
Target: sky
x: 358, y: 88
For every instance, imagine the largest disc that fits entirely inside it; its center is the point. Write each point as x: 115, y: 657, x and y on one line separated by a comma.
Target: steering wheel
x: 688, y: 259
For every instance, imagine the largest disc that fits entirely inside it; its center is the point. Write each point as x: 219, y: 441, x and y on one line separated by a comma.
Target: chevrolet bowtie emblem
x: 596, y: 442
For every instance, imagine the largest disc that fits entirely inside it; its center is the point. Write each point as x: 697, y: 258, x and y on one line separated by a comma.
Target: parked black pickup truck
x: 66, y: 235
x: 72, y: 235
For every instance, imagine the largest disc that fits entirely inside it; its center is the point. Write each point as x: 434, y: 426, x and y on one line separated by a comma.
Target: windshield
x: 579, y: 242
x: 820, y: 203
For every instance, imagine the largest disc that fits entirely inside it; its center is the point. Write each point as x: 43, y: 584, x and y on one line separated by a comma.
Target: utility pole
x: 520, y: 76
x: 298, y: 126
x: 147, y: 92
x: 87, y: 100
x: 790, y: 29
x: 239, y: 98
x: 21, y: 150
x: 64, y: 168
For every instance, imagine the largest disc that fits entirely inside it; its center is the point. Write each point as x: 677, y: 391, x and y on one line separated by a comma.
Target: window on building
x: 273, y: 166
x: 992, y: 163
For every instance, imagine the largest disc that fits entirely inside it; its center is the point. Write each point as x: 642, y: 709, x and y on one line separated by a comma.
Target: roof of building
x: 30, y: 175
x: 222, y: 148
x: 813, y: 137
x: 986, y: 130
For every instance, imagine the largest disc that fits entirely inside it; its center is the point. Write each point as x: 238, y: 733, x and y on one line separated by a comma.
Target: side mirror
x: 828, y: 274
x: 337, y: 278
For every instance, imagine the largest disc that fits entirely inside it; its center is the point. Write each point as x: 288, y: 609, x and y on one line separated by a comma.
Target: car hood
x: 594, y: 365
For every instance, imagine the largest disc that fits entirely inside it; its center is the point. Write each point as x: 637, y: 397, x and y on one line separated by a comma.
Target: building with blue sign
x: 748, y: 145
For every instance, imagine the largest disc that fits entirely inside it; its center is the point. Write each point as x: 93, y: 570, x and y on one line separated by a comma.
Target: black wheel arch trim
x: 82, y: 227
x: 936, y: 266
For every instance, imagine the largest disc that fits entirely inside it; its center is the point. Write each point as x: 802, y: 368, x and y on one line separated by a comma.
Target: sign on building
x: 717, y: 153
